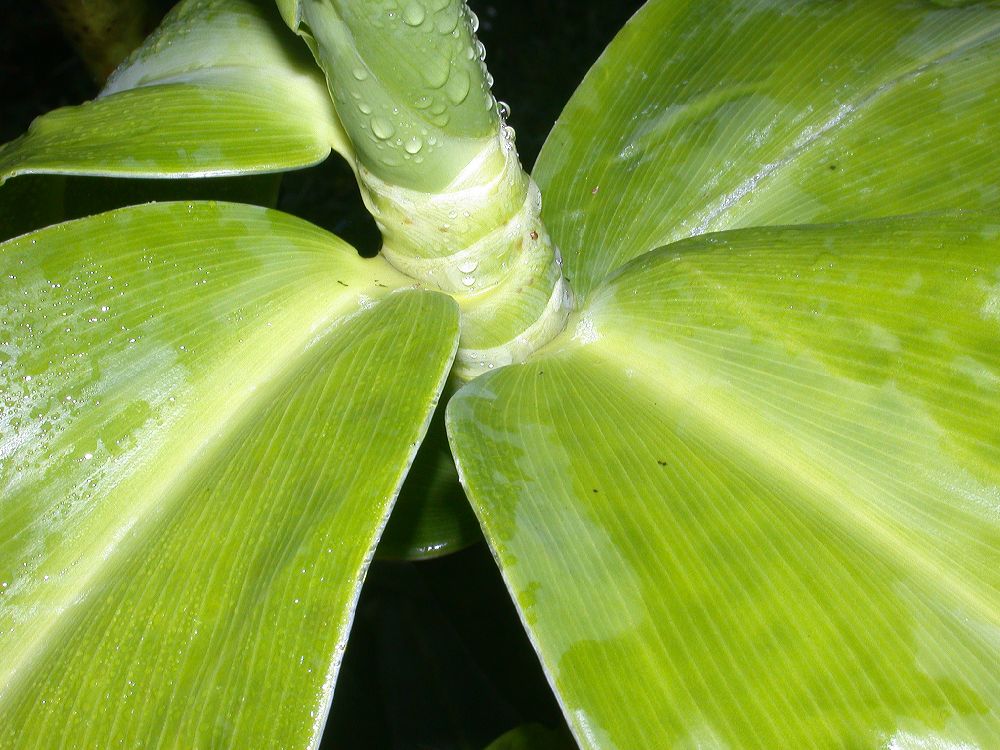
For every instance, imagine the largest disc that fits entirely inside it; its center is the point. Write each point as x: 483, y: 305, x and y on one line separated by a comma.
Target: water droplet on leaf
x: 413, y: 14
x: 458, y: 87
x: 436, y: 72
x: 382, y: 128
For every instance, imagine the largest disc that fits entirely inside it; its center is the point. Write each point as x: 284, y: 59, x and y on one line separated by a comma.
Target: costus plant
x: 720, y: 380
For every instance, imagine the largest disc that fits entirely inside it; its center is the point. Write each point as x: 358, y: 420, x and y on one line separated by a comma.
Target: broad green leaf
x: 221, y: 88
x: 702, y: 117
x: 752, y: 497
x: 207, y: 412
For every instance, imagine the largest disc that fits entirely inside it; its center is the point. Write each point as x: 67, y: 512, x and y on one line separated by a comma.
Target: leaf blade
x: 219, y: 89
x: 174, y: 565
x: 717, y: 117
x: 763, y: 527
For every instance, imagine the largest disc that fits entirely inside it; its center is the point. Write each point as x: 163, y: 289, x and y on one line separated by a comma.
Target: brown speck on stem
x: 533, y: 235
x: 595, y: 189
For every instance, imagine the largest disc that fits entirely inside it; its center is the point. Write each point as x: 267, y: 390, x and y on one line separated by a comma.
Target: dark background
x: 437, y: 657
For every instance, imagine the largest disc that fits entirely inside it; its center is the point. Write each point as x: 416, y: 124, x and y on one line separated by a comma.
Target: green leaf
x: 207, y: 413
x: 709, y: 116
x: 221, y: 88
x: 752, y: 497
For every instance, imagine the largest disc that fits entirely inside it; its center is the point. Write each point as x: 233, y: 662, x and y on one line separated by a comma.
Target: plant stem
x: 438, y: 168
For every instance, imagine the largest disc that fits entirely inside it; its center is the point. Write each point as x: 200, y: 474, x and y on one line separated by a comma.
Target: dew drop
x: 447, y: 22
x: 413, y: 145
x: 468, y: 280
x: 382, y: 128
x: 474, y: 21
x: 503, y: 109
x: 458, y: 87
x: 413, y: 14
x: 360, y: 74
x: 469, y: 266
x: 436, y: 72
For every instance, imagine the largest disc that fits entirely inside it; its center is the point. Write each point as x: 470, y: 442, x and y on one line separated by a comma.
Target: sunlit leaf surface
x: 752, y: 498
x: 709, y: 116
x: 221, y: 88
x: 207, y: 412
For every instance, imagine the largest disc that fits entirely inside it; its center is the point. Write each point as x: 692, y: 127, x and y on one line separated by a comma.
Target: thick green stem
x: 438, y: 167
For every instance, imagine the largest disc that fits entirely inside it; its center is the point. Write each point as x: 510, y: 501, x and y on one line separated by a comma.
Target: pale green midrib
x: 849, y: 111
x: 885, y: 430
x: 822, y: 493
x: 232, y: 417
x: 769, y: 324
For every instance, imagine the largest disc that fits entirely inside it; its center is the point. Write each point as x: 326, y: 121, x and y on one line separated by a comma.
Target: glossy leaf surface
x: 709, y: 116
x: 754, y: 492
x: 205, y: 422
x: 221, y: 88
